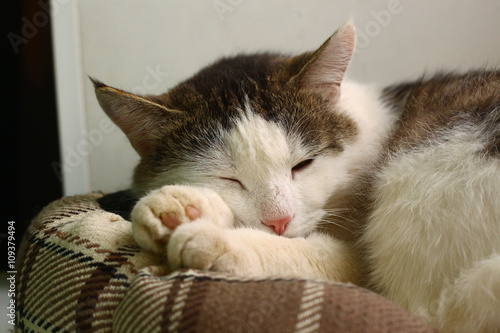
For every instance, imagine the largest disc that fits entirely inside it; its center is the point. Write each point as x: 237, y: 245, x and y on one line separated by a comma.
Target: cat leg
x: 472, y: 302
x: 159, y: 213
x: 249, y: 252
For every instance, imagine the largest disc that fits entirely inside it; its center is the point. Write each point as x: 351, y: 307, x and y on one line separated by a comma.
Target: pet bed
x: 79, y: 270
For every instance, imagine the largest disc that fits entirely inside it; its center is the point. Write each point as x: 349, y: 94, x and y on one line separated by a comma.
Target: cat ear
x: 325, y: 68
x: 140, y: 118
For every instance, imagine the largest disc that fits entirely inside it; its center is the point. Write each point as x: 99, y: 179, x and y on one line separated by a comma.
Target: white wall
x: 150, y: 45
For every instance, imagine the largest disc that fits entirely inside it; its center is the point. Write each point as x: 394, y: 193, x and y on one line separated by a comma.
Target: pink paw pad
x: 171, y: 221
x: 192, y: 212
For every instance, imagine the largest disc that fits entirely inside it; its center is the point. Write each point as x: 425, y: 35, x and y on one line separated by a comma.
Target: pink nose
x: 279, y: 225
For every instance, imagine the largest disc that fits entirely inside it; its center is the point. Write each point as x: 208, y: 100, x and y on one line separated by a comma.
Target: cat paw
x: 204, y: 246
x: 158, y: 214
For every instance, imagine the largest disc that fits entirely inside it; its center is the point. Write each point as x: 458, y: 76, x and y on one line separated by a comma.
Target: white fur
x: 375, y: 121
x: 472, y: 302
x: 436, y: 217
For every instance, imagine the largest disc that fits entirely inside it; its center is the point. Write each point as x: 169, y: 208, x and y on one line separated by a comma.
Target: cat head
x: 265, y: 131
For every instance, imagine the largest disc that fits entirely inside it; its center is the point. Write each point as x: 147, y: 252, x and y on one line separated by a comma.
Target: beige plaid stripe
x: 308, y: 319
x: 142, y: 308
x: 179, y: 304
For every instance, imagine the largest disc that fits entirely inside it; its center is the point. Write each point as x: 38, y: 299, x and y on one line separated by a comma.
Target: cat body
x: 432, y: 235
x: 266, y: 164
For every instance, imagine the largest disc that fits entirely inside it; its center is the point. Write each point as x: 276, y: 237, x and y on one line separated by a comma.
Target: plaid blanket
x: 79, y: 270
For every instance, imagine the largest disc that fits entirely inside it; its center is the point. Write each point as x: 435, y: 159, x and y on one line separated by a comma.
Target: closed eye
x: 234, y: 181
x: 301, y: 166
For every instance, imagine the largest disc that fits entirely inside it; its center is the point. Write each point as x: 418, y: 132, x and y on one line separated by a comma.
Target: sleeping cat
x: 267, y: 164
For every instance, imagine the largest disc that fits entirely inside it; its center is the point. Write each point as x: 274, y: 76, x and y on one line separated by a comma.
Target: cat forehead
x: 255, y: 140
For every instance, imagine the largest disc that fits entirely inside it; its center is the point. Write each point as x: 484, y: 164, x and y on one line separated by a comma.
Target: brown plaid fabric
x: 79, y: 270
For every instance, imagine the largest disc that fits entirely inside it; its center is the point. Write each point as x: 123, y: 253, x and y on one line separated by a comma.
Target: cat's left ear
x: 142, y: 119
x: 325, y: 68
